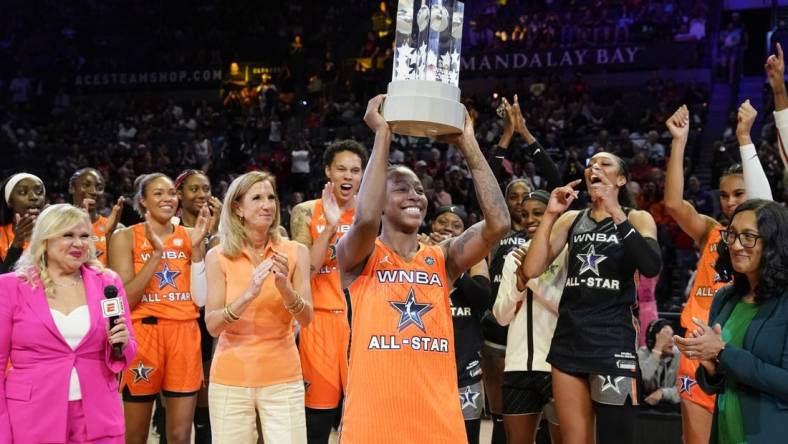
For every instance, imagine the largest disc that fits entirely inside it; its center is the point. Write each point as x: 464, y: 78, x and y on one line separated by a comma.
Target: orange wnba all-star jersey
x: 706, y: 284
x: 100, y: 239
x: 402, y: 383
x: 6, y: 238
x: 168, y: 294
x: 326, y: 288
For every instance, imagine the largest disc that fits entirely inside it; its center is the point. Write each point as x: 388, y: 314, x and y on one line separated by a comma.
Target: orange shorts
x: 323, y: 347
x: 688, y: 386
x: 168, y: 358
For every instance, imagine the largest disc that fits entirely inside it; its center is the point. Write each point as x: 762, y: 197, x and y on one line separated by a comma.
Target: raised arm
x: 775, y: 71
x: 544, y: 164
x: 122, y: 262
x: 755, y: 181
x: 553, y: 231
x: 498, y: 153
x: 355, y: 247
x: 476, y: 242
x: 691, y: 222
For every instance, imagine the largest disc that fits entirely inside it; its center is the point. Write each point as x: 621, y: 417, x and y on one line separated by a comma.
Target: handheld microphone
x: 112, y: 308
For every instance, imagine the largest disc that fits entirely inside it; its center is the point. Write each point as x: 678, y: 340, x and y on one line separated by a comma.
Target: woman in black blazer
x: 744, y: 356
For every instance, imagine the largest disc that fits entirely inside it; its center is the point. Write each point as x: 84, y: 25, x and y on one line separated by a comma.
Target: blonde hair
x: 54, y: 221
x: 231, y: 227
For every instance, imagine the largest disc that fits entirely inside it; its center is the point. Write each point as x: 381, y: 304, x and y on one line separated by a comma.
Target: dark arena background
x: 228, y: 87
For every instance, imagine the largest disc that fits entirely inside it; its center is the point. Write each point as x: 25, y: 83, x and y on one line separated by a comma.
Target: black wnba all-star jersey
x: 466, y: 315
x: 492, y: 330
x: 596, y: 333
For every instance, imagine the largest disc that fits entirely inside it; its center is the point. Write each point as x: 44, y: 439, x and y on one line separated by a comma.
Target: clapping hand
x: 155, y: 241
x: 704, y: 343
x: 331, y: 210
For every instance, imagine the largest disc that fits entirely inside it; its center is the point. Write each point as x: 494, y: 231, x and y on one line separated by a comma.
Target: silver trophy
x: 423, y: 98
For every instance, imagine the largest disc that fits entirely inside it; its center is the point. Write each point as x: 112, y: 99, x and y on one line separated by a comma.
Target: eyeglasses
x: 747, y: 240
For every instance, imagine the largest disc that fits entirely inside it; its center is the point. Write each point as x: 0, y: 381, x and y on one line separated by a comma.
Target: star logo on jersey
x: 429, y: 260
x: 468, y: 398
x: 590, y: 260
x: 167, y: 276
x: 609, y: 383
x: 332, y: 252
x: 410, y: 312
x: 686, y: 384
x: 141, y: 373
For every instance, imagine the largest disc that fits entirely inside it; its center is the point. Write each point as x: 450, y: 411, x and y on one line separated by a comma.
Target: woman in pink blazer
x: 61, y: 387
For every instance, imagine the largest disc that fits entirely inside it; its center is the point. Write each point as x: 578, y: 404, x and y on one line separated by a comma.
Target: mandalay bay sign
x: 619, y: 57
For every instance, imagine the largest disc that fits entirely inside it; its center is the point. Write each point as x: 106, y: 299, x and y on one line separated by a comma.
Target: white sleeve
x: 199, y: 283
x: 508, y: 296
x: 755, y: 181
x: 781, y: 122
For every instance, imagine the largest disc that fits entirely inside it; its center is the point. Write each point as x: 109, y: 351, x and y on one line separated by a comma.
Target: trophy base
x: 423, y: 108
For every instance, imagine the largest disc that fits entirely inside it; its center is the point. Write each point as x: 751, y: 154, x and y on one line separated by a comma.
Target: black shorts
x: 526, y: 393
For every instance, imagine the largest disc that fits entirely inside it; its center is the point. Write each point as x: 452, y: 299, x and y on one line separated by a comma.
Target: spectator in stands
x: 742, y: 349
x: 730, y: 48
x: 699, y: 196
x: 300, y: 166
x: 659, y: 364
x: 439, y: 196
x: 623, y: 23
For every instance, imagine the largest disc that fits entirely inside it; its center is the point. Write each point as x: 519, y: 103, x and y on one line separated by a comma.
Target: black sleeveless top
x: 595, y: 333
x: 466, y: 315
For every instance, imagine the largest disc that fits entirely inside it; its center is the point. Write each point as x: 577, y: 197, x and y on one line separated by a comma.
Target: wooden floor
x: 485, y: 435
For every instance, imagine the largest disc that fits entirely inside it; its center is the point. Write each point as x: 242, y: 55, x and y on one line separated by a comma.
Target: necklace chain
x: 69, y: 285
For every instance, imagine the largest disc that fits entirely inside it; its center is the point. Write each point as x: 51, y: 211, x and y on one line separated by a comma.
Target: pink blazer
x: 34, y: 392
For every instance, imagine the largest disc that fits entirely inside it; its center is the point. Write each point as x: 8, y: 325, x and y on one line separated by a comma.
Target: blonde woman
x: 258, y: 284
x: 63, y: 386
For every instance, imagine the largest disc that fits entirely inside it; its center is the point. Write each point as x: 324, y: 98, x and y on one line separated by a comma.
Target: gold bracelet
x: 297, y: 306
x: 229, y: 312
x: 297, y: 312
x: 226, y: 317
x: 295, y: 302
